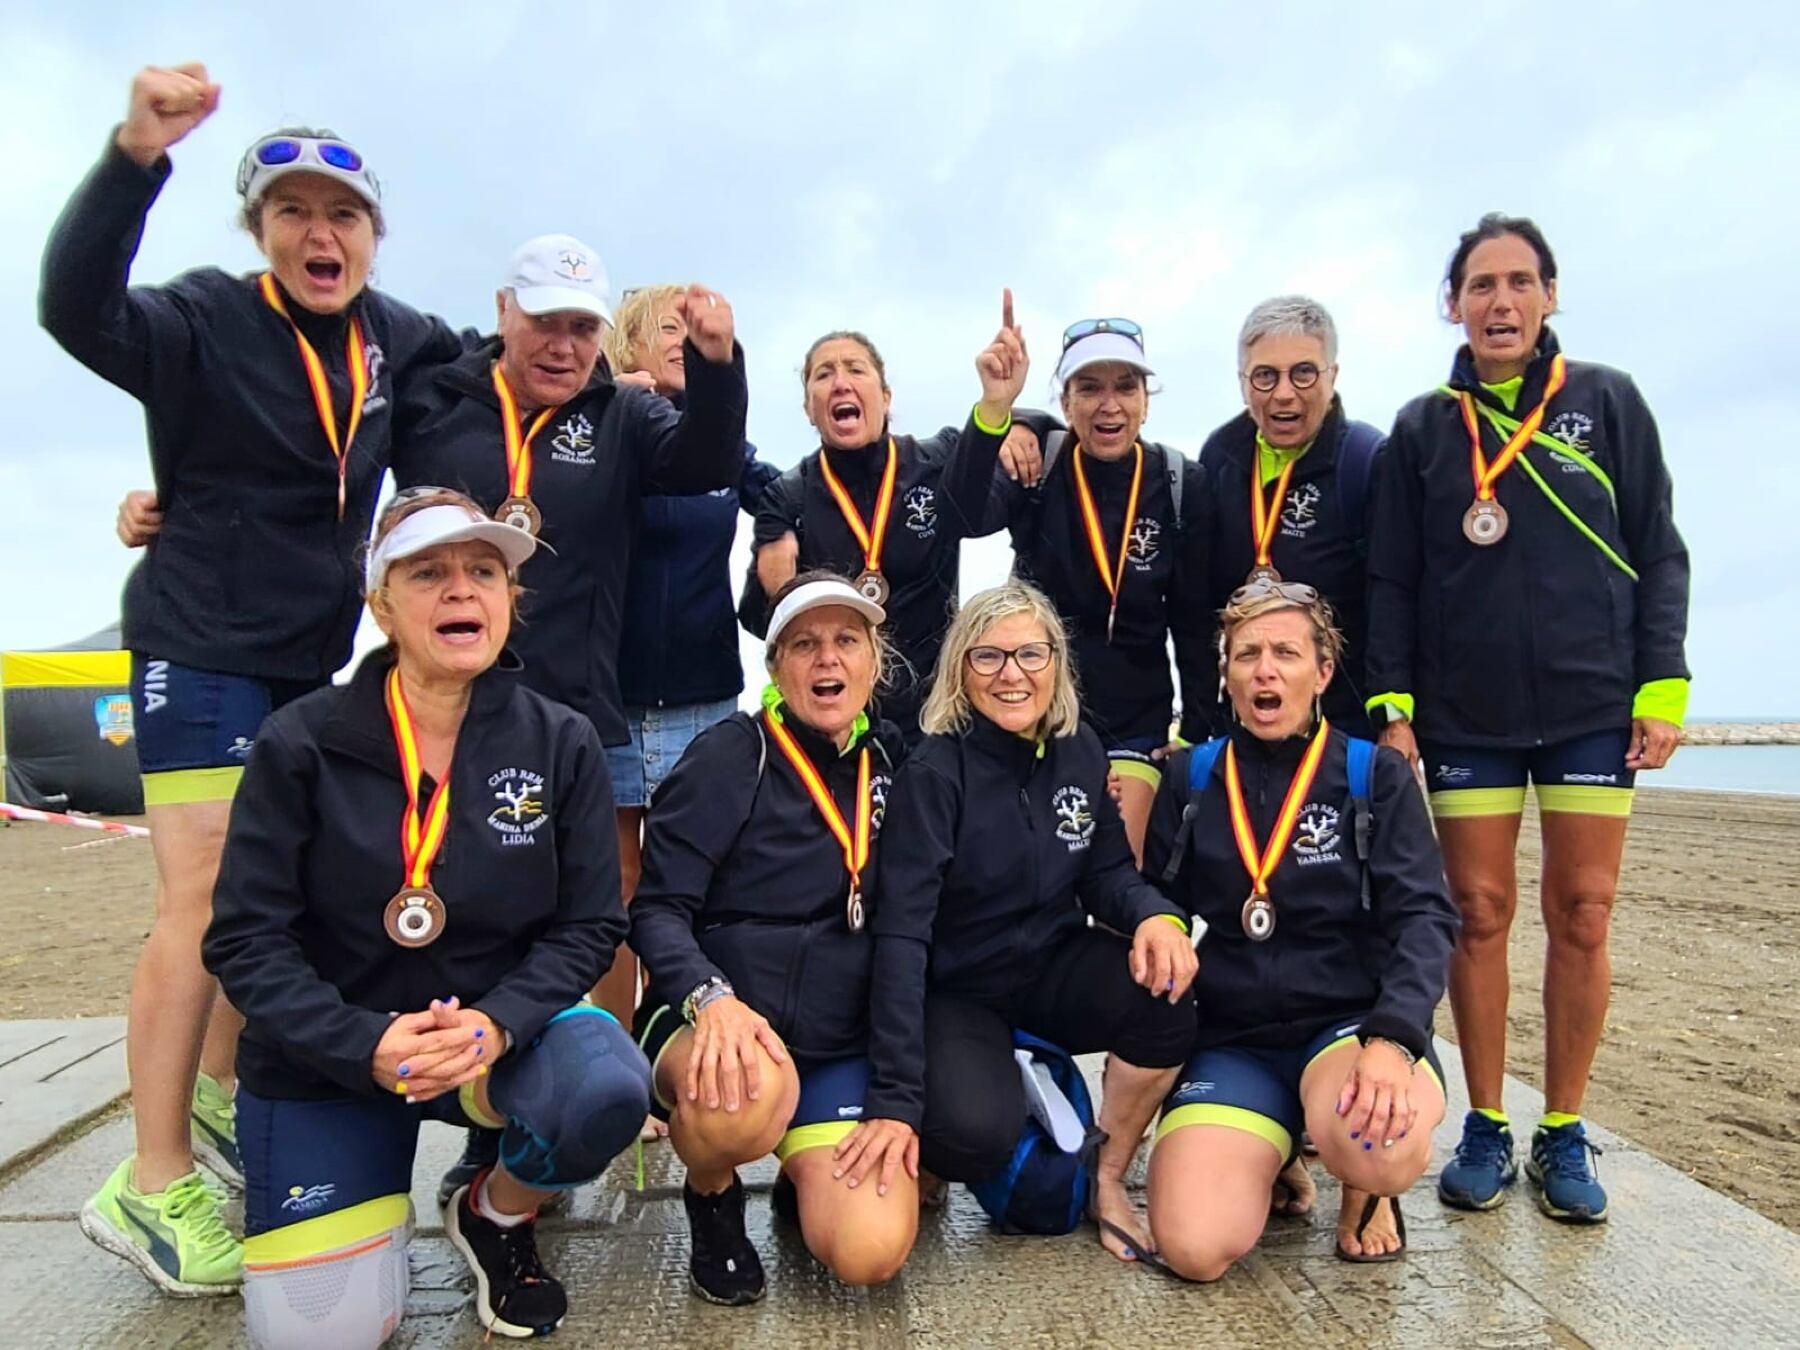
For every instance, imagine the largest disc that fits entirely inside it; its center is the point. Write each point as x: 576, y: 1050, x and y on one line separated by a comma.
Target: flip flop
x: 1139, y: 1256
x: 1368, y: 1214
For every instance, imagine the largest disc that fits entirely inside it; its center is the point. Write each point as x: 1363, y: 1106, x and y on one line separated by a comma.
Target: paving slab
x: 1678, y: 1265
x: 53, y: 1076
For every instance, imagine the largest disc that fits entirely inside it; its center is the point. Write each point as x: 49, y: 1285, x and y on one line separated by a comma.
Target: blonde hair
x: 947, y: 708
x: 1328, y: 642
x: 638, y: 315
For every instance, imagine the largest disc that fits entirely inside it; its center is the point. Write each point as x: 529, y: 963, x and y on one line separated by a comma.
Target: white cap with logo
x: 558, y: 272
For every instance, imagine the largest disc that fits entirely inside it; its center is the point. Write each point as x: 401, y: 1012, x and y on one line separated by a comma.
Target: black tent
x: 70, y: 744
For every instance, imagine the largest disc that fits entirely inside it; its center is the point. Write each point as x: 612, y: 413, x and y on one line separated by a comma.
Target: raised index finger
x: 1006, y: 314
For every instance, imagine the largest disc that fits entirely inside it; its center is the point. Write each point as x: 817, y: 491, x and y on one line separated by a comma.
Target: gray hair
x: 1288, y: 316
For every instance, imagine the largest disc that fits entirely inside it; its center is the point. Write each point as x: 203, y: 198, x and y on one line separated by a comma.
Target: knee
x: 1381, y: 1171
x: 751, y: 1131
x: 870, y: 1255
x: 968, y: 1138
x: 1487, y: 912
x: 1194, y: 1253
x: 1580, y: 921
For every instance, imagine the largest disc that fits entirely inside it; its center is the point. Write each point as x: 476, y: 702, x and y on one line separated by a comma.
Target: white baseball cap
x: 557, y: 272
x: 446, y: 524
x: 1104, y: 340
x: 815, y: 594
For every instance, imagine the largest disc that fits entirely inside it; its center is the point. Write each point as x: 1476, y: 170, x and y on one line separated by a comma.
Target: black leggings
x: 1084, y: 1001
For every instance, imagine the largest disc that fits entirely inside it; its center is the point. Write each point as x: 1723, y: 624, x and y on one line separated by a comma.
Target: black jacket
x: 743, y: 878
x: 940, y: 491
x: 1126, y: 692
x: 1328, y: 957
x: 591, y: 464
x: 313, y: 857
x: 999, y: 849
x: 1316, y: 542
x: 1539, y: 638
x: 254, y: 572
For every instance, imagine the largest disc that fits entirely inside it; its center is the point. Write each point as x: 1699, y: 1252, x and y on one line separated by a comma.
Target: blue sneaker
x: 1562, y: 1167
x: 1477, y: 1177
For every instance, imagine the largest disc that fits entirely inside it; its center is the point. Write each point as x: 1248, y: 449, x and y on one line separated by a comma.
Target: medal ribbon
x: 856, y: 847
x: 1264, y: 518
x: 871, y: 540
x: 518, y: 447
x: 354, y: 358
x: 1261, y: 864
x: 1486, y: 474
x: 1112, y: 576
x: 420, y: 836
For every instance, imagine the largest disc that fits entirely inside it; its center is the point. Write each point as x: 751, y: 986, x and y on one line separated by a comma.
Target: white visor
x: 1096, y: 349
x: 446, y: 524
x: 816, y: 593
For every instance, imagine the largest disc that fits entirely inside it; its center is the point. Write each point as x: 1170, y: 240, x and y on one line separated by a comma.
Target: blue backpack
x: 1041, y: 1189
x: 1359, y: 766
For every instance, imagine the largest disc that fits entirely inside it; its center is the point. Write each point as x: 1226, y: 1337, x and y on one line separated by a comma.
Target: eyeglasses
x: 1295, y: 592
x: 1030, y: 658
x: 1302, y: 375
x: 1089, y: 327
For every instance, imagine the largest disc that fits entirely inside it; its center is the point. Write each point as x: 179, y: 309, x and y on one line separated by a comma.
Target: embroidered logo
x: 574, y: 441
x: 376, y: 360
x: 1197, y: 1087
x: 521, y: 812
x: 1573, y: 429
x: 878, y: 798
x: 1301, y: 510
x: 239, y: 747
x: 112, y: 714
x: 573, y: 265
x: 1454, y: 773
x: 1074, y: 821
x: 1145, y: 545
x: 1316, y: 834
x: 921, y: 510
x: 306, y: 1199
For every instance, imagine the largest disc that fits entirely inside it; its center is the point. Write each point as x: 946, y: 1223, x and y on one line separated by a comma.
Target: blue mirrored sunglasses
x: 1088, y: 327
x: 286, y: 150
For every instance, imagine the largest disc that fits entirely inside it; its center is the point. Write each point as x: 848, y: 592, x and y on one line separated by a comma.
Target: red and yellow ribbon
x: 870, y: 539
x: 1261, y: 863
x: 421, y: 834
x: 354, y: 357
x: 1486, y: 474
x: 518, y: 442
x: 1111, y: 574
x: 855, y: 845
x: 1264, y: 517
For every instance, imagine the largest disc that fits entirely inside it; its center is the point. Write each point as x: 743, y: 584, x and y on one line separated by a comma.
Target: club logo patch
x: 1316, y: 836
x: 574, y: 441
x: 1074, y: 821
x: 1145, y: 544
x: 376, y: 360
x: 520, y: 813
x: 1301, y: 510
x: 1573, y: 429
x: 878, y: 799
x: 921, y: 510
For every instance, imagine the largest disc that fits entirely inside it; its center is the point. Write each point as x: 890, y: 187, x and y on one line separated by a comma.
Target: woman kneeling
x: 1316, y: 993
x: 764, y: 1030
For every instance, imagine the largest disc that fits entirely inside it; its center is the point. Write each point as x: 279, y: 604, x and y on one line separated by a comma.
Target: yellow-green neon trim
x: 1136, y: 768
x: 465, y: 1095
x: 1272, y: 459
x: 1001, y: 430
x: 825, y: 1134
x: 1178, y: 922
x: 1232, y: 1118
x: 1402, y: 702
x: 1507, y: 391
x: 1422, y: 1062
x: 183, y: 787
x: 1461, y: 803
x: 1665, y: 700
x: 327, y: 1232
x: 1573, y: 519
x: 1585, y: 799
x: 1506, y: 426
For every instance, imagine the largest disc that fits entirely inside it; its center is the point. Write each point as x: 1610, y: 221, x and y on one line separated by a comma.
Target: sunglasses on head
x: 1089, y: 327
x: 1295, y: 592
x: 287, y: 149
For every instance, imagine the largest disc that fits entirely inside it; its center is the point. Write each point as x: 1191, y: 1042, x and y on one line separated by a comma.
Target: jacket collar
x: 471, y: 376
x: 1240, y: 445
x: 1285, y: 753
x: 359, y: 725
x: 1537, y: 373
x: 818, y: 747
x: 1017, y: 753
x: 865, y: 463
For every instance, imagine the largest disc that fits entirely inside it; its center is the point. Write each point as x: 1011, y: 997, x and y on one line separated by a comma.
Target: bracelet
x: 1411, y: 1058
x: 709, y: 990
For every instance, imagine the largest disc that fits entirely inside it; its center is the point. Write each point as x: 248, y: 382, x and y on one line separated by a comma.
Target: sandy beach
x: 1701, y: 1063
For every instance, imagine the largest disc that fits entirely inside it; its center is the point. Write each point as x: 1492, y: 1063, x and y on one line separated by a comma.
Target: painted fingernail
x: 405, y: 1069
x: 1130, y: 1252
x: 1387, y: 1143
x: 480, y: 1032
x: 1403, y: 1134
x: 480, y: 1069
x: 481, y: 1049
x: 1368, y: 1143
x: 1356, y: 1134
x: 400, y: 1088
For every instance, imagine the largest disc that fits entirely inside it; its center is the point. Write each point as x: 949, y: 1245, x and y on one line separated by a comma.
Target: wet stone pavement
x: 1678, y: 1265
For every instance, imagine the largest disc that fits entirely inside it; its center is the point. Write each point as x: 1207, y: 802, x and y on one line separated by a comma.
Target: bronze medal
x: 521, y: 513
x: 1259, y: 918
x: 853, y: 912
x: 872, y: 586
x: 415, y: 916
x: 1484, y: 523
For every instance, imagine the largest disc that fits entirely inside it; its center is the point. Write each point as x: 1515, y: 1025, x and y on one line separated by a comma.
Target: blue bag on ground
x: 1041, y: 1189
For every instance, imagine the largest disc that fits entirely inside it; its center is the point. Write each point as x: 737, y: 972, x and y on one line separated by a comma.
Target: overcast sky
x: 890, y: 167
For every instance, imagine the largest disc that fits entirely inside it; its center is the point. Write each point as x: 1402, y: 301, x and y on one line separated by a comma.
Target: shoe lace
x: 518, y: 1246
x: 1482, y: 1145
x: 191, y: 1204
x: 1567, y: 1153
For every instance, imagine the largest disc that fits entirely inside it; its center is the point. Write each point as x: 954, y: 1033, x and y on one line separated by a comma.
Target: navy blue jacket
x: 254, y: 572
x: 591, y: 465
x: 679, y: 641
x: 1328, y: 958
x: 1539, y: 638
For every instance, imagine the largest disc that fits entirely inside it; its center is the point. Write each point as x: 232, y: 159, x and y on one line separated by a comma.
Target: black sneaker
x: 514, y: 1294
x: 480, y: 1152
x: 724, y: 1267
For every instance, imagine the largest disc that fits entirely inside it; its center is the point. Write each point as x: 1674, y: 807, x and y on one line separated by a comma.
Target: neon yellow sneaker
x: 175, y: 1236
x: 213, y: 1122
